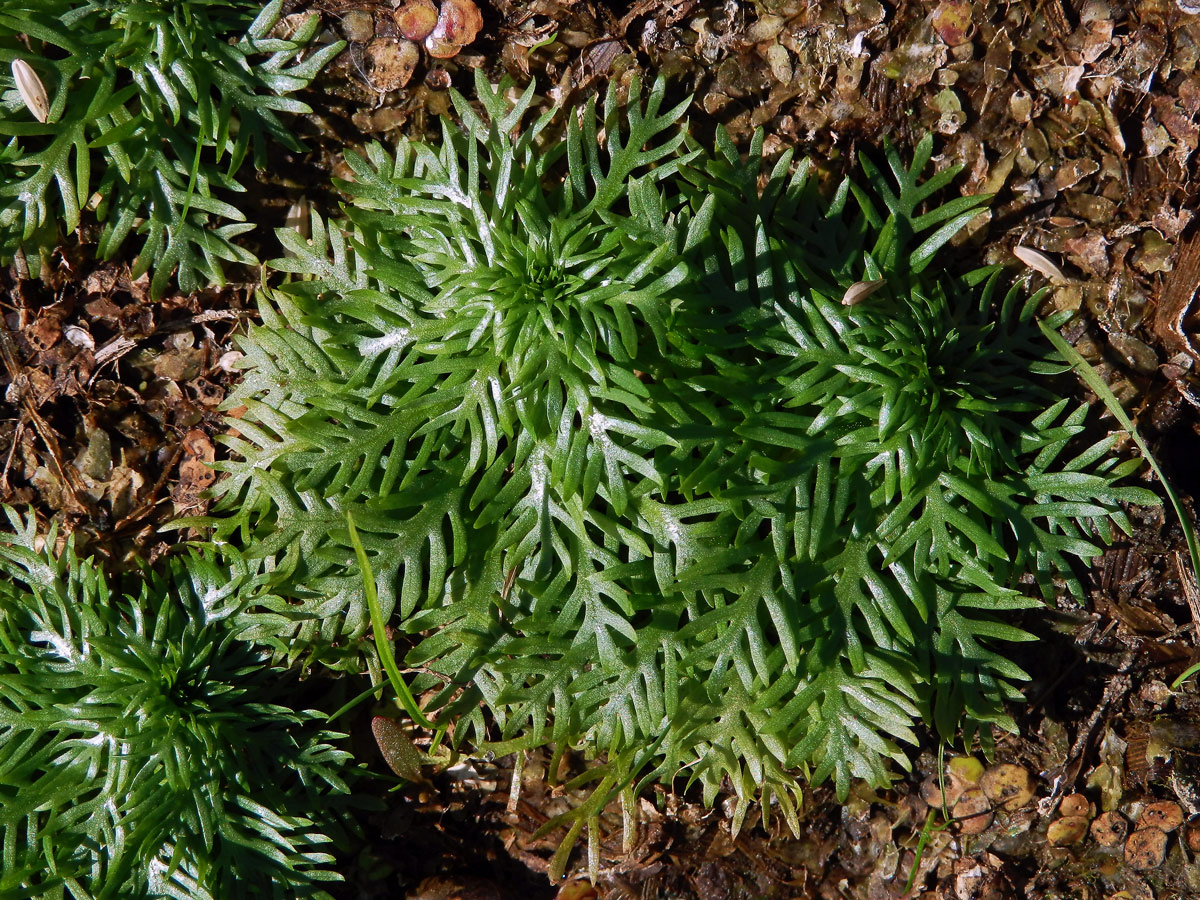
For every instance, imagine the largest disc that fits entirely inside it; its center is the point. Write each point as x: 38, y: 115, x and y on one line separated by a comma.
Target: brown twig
x: 1064, y: 776
x: 1178, y: 294
x: 143, y: 508
x: 1191, y: 592
x: 20, y: 381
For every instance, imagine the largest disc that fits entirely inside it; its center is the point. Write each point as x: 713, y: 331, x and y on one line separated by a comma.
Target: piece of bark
x: 1178, y: 294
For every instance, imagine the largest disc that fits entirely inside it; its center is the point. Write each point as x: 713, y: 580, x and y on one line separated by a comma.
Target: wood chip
x: 114, y: 349
x: 1178, y: 293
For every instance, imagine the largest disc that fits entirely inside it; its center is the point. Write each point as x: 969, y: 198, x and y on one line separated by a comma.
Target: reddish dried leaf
x: 952, y: 21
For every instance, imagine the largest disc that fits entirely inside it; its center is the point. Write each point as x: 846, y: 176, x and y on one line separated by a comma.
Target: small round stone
x: 1075, y: 805
x: 1067, y: 830
x: 931, y: 792
x: 1110, y: 829
x: 1008, y: 785
x: 358, y: 25
x: 973, y: 812
x: 1146, y: 848
x: 458, y: 22
x: 437, y: 79
x: 967, y: 769
x: 440, y: 49
x: 1166, y: 815
x: 416, y: 19
x: 391, y: 63
x: 1191, y: 834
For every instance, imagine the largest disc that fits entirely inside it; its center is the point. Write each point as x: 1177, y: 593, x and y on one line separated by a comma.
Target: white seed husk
x: 31, y: 89
x: 299, y: 217
x: 228, y: 361
x: 861, y: 290
x: 1040, y: 262
x: 79, y: 337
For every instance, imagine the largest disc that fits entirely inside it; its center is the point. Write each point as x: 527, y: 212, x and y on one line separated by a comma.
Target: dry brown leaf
x: 397, y: 748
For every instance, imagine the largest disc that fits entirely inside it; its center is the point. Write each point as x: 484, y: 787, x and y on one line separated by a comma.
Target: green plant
x: 632, y: 476
x: 1093, y: 380
x: 164, y: 106
x: 144, y: 750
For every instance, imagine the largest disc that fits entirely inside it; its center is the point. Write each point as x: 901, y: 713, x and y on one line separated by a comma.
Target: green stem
x: 381, y: 642
x: 1093, y: 380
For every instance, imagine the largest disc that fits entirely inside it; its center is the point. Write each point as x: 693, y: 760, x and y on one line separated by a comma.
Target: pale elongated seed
x: 1039, y: 262
x: 299, y: 217
x: 31, y: 89
x: 860, y: 291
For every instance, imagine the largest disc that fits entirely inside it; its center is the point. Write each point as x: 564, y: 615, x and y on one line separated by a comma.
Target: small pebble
x: 974, y: 812
x: 1008, y: 785
x: 1110, y: 829
x: 1138, y: 355
x: 416, y: 19
x: 1166, y: 815
x: 967, y: 769
x: 79, y: 337
x: 358, y: 25
x: 1146, y: 848
x: 1076, y: 805
x: 391, y: 63
x: 441, y: 49
x: 931, y: 792
x: 437, y: 79
x: 1067, y: 830
x: 459, y: 21
x: 1191, y: 834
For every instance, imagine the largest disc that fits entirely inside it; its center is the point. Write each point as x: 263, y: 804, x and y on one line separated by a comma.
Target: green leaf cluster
x: 154, y: 106
x: 145, y: 749
x: 629, y: 473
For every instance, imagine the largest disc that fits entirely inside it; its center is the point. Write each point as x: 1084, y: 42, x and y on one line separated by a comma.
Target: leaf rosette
x: 629, y: 473
x: 145, y: 749
x: 153, y: 108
